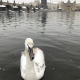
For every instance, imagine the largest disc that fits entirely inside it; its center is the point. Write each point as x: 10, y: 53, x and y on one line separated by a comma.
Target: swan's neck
x: 27, y: 55
x: 29, y: 62
x: 30, y: 70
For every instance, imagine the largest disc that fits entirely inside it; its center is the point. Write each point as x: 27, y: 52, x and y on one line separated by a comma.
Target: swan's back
x: 39, y: 62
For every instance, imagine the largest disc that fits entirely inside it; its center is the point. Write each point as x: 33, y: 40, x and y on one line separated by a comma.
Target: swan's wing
x: 23, y: 65
x: 39, y: 62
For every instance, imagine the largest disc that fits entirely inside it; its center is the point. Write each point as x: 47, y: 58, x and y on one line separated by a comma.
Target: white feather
x: 23, y: 66
x: 39, y: 64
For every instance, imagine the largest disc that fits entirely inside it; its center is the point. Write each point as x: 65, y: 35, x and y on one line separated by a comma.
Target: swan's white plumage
x: 32, y: 70
x: 23, y: 66
x: 39, y: 63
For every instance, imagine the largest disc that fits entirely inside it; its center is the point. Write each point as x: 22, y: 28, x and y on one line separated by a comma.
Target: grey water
x: 56, y: 33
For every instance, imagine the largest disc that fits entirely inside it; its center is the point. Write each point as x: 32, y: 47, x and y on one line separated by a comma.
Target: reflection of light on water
x: 78, y: 66
x: 69, y: 20
x: 70, y: 29
x: 3, y: 69
x: 43, y: 21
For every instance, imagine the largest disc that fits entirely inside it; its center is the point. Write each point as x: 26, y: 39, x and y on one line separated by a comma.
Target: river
x: 56, y: 33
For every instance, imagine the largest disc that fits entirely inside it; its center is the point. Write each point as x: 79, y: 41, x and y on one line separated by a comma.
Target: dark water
x: 56, y: 33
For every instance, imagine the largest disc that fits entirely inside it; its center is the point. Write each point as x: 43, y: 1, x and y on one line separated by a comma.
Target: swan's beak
x: 31, y: 54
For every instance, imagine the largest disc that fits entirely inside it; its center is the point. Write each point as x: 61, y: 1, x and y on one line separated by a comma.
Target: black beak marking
x: 32, y: 58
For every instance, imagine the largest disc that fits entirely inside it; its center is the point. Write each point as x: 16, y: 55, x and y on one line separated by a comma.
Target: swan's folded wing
x: 39, y: 62
x: 23, y: 65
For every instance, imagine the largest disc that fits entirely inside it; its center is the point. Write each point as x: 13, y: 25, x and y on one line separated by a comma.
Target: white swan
x: 32, y: 62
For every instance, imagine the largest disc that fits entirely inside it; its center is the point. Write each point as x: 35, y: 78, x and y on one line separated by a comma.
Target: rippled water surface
x: 56, y: 33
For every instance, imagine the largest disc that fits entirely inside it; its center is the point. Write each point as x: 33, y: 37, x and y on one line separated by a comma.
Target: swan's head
x: 29, y: 47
